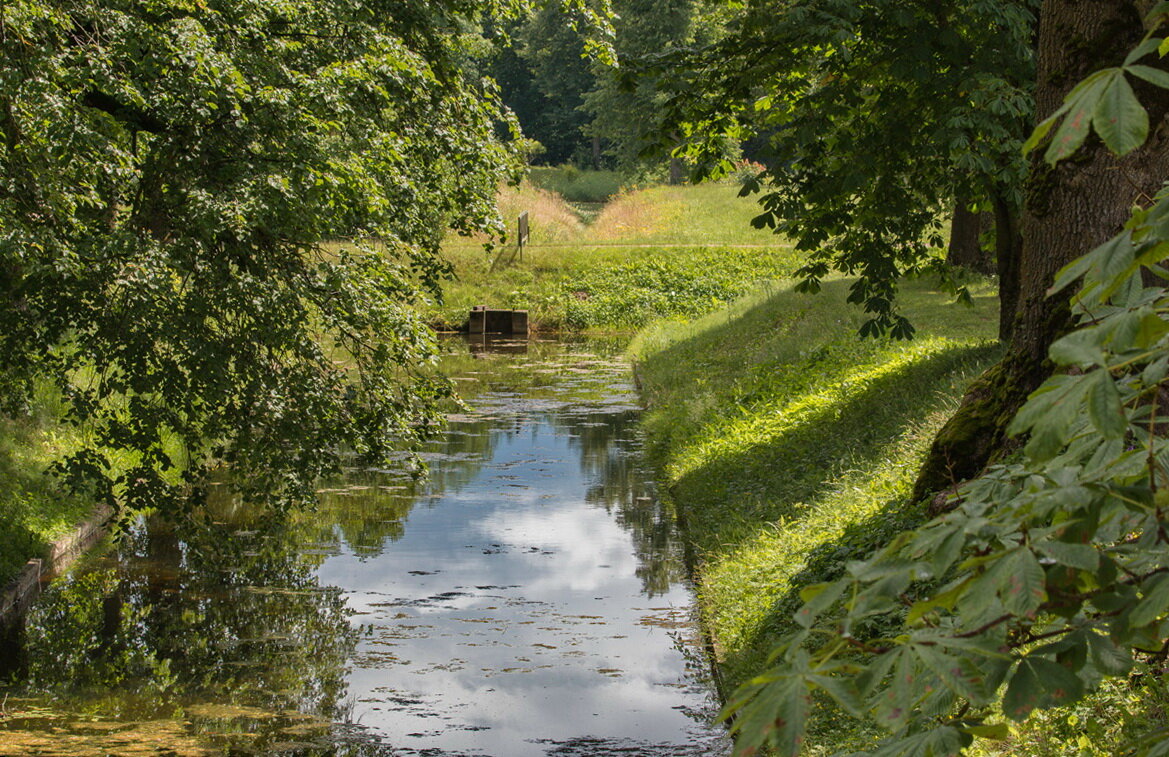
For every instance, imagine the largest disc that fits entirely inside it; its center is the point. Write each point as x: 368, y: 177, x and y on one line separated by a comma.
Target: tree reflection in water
x: 214, y: 635
x: 586, y: 394
x: 217, y: 622
x: 513, y: 385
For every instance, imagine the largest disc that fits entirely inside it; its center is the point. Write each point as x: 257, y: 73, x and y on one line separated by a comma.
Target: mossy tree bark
x: 1068, y: 210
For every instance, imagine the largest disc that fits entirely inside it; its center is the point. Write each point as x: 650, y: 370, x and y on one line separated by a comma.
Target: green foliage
x: 76, y: 622
x: 1104, y: 103
x: 626, y: 109
x: 576, y: 184
x: 170, y: 172
x: 1049, y: 576
x: 543, y: 75
x: 874, y: 115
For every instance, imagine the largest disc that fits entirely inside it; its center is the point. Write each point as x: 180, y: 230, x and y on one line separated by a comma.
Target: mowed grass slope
x: 789, y: 445
x: 660, y: 252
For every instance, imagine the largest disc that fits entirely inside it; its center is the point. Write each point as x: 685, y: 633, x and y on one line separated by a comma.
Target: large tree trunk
x: 1068, y: 210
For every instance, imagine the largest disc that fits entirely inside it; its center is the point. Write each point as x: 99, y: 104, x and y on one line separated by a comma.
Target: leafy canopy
x: 1052, y: 574
x: 172, y: 176
x: 870, y: 117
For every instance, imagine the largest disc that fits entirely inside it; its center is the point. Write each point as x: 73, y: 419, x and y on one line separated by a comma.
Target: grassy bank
x: 34, y: 510
x: 652, y: 253
x: 789, y: 445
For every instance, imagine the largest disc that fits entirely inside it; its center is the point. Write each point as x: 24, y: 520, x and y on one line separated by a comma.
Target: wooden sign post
x: 523, y: 232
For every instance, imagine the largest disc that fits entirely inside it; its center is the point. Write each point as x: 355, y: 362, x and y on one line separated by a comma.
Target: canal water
x: 528, y: 598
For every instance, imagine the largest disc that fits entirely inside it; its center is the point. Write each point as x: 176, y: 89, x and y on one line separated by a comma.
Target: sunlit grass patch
x: 609, y: 292
x: 638, y: 216
x: 748, y: 589
x: 685, y: 214
x: 661, y: 252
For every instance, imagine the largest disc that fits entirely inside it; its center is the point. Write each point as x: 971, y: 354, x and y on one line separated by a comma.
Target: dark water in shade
x: 529, y: 599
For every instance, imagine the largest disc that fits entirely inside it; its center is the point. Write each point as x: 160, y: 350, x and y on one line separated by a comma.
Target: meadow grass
x: 661, y: 252
x: 789, y: 446
x: 687, y: 214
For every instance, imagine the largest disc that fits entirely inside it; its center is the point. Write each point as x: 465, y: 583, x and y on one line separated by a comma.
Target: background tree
x: 172, y: 174
x: 543, y: 74
x: 626, y: 104
x: 875, y: 117
x: 966, y: 248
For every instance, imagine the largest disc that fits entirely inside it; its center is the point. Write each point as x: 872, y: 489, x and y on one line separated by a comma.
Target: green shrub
x: 577, y: 184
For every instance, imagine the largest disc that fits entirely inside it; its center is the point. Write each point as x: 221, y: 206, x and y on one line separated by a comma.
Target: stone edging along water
x: 22, y: 591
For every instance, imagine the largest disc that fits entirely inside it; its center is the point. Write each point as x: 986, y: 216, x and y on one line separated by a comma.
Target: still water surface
x: 528, y: 599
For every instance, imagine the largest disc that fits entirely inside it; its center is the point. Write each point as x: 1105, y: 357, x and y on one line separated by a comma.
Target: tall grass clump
x: 789, y: 445
x: 551, y: 219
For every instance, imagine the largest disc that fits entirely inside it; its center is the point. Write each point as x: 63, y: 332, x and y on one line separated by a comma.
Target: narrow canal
x: 529, y: 598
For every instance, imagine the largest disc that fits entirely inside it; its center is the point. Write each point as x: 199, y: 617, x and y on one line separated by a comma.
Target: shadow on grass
x: 786, y: 475
x: 783, y: 480
x: 772, y: 478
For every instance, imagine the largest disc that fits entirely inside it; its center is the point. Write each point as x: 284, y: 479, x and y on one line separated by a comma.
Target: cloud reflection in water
x: 511, y: 615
